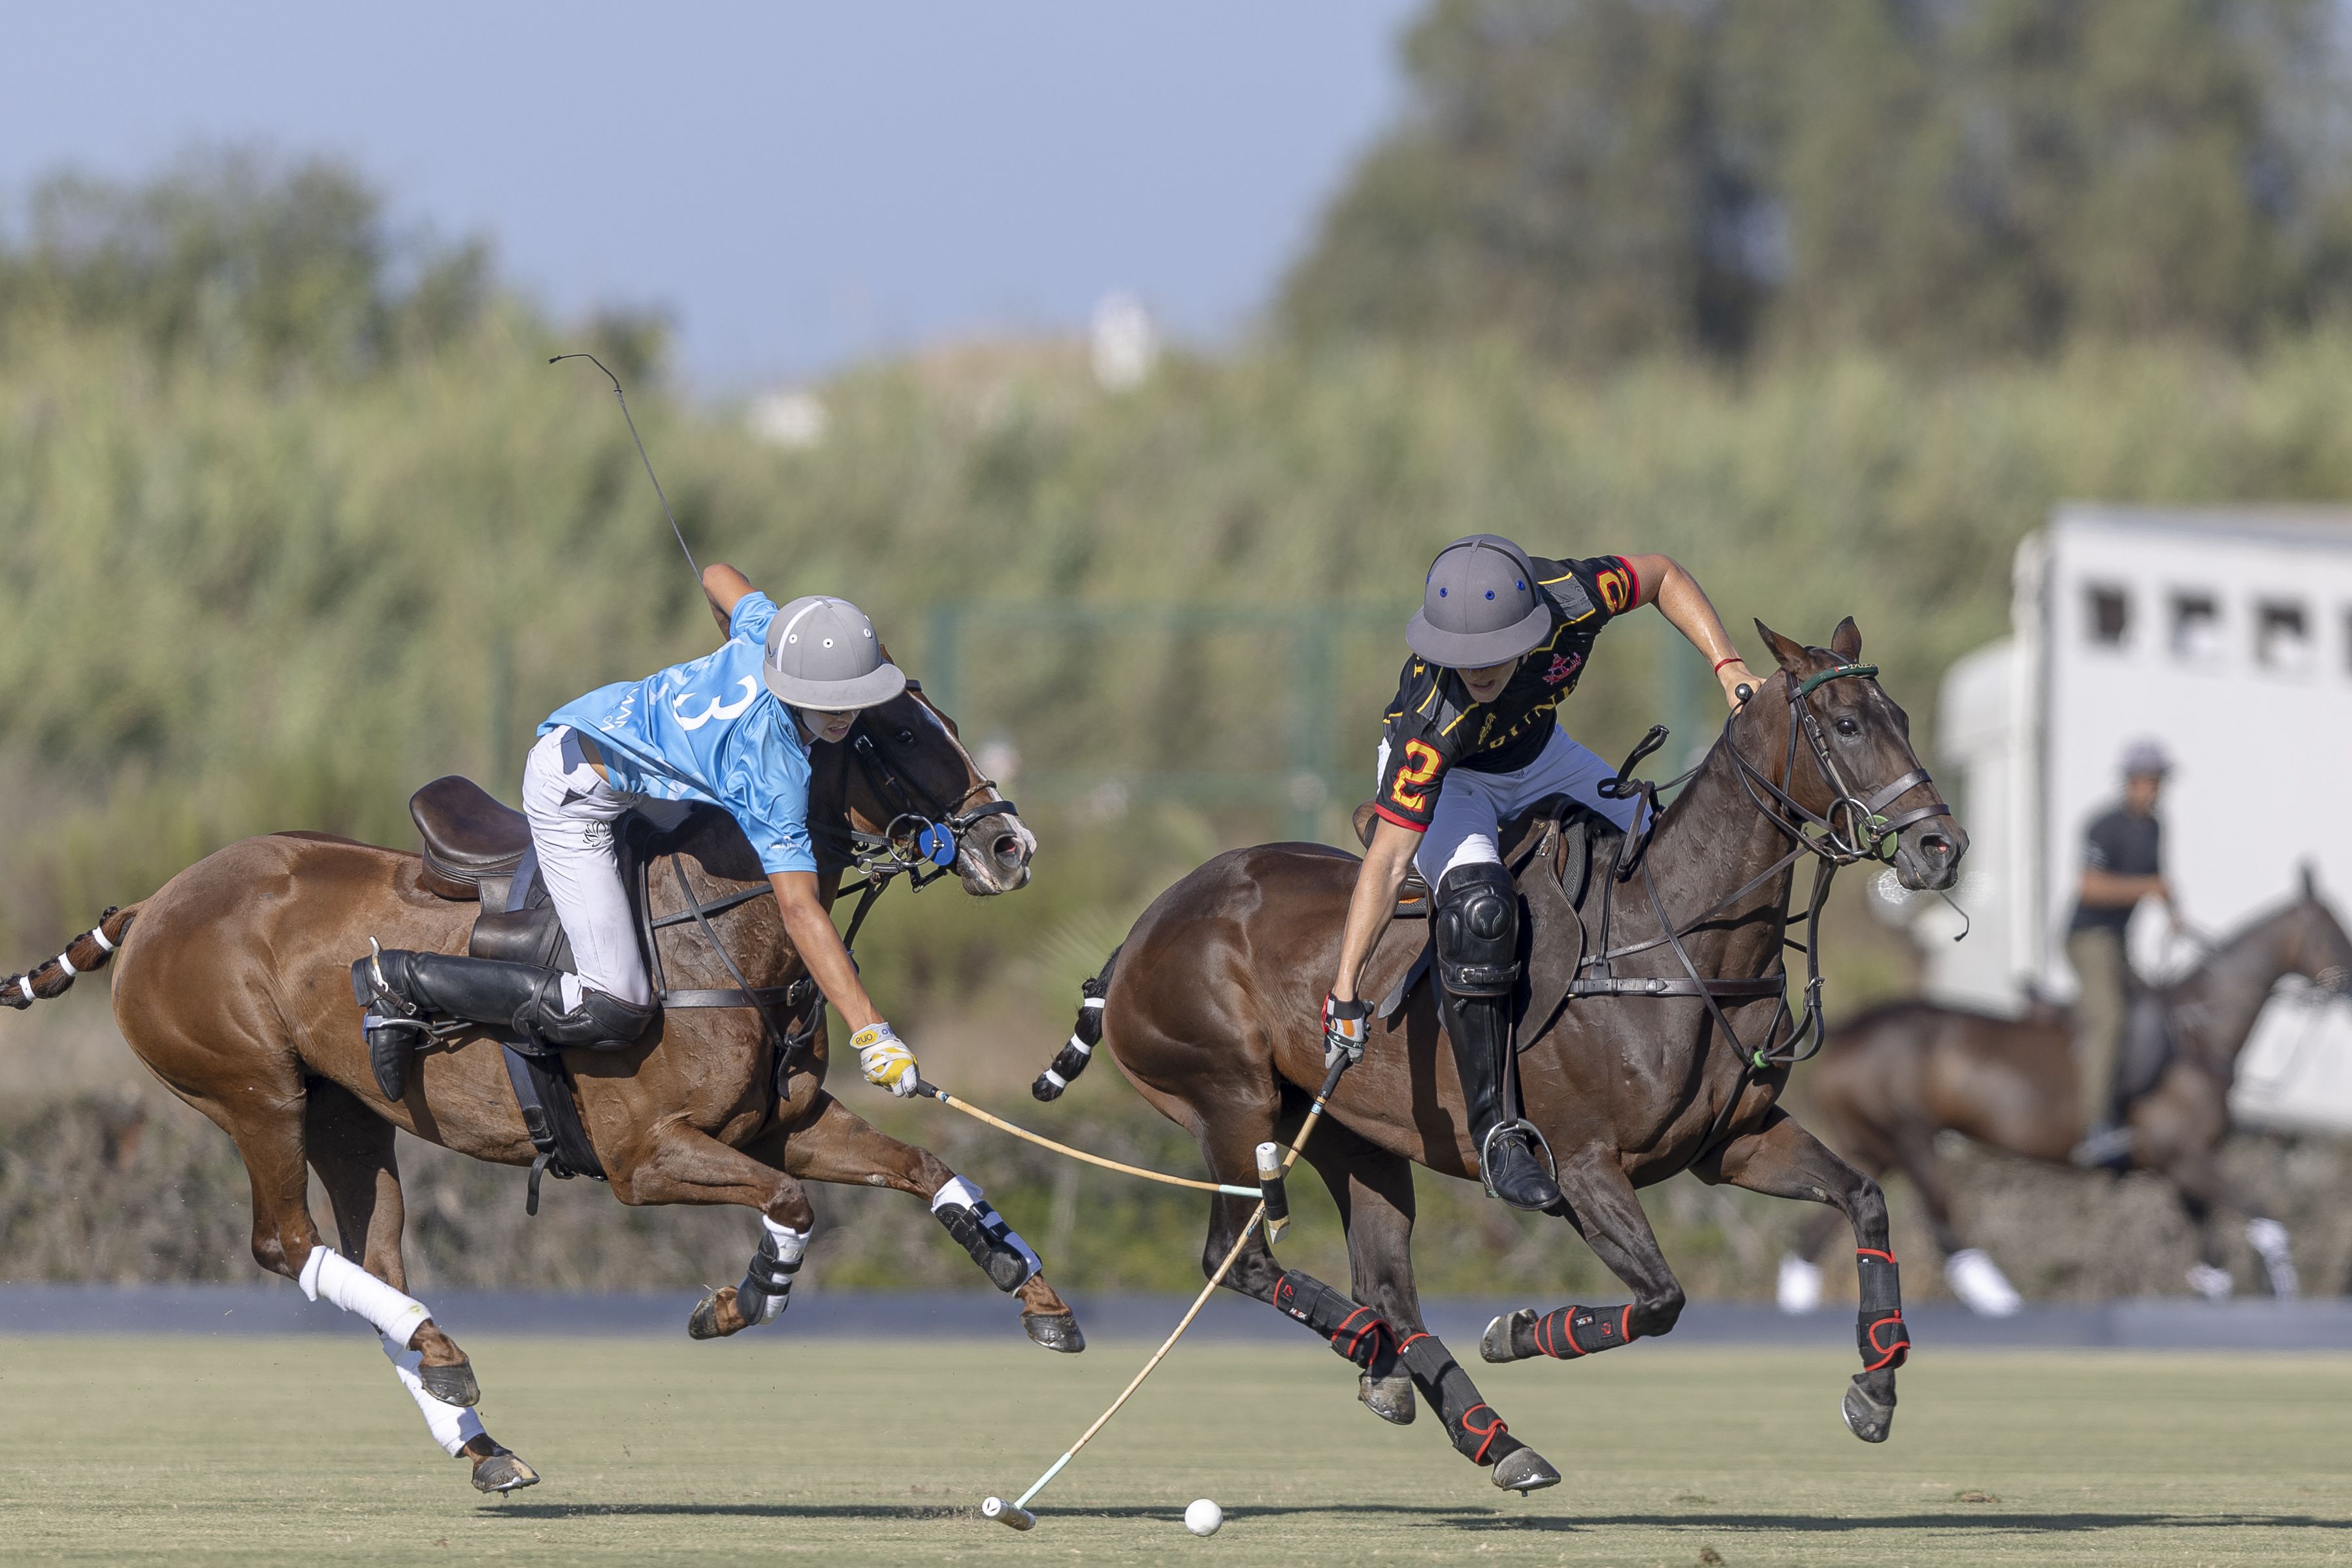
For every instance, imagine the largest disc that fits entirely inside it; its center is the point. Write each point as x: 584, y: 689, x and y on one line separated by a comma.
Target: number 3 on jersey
x: 1421, y: 765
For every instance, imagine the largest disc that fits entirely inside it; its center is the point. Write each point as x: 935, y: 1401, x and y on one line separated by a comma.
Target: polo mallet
x: 1016, y: 1513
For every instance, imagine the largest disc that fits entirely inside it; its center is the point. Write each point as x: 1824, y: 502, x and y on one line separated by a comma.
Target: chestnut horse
x: 1211, y: 1006
x: 1894, y: 1078
x: 232, y: 984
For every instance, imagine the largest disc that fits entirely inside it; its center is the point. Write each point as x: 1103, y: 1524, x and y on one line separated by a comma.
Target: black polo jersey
x: 1433, y: 726
x: 2126, y: 845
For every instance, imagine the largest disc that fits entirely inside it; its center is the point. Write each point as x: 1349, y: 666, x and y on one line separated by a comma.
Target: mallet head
x: 1004, y: 1513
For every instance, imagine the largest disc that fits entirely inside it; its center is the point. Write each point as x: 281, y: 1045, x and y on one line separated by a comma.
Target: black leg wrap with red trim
x: 1573, y: 1331
x: 1478, y: 1433
x: 1359, y: 1333
x: 1879, y: 1330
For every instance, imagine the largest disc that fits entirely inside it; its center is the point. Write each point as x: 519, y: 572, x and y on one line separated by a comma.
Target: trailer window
x: 2282, y: 636
x: 2196, y: 627
x: 2107, y: 612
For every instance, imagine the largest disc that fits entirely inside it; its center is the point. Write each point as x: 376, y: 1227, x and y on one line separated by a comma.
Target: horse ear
x: 1847, y: 641
x: 2310, y: 882
x: 1791, y: 656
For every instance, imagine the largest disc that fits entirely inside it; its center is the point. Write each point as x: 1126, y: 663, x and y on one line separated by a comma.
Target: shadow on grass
x: 1987, y: 1519
x: 916, y: 1513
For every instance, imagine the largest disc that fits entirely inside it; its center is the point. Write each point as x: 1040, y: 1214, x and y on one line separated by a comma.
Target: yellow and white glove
x: 886, y: 1063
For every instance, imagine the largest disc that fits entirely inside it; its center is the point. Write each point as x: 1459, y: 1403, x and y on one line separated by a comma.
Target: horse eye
x: 905, y: 737
x: 1848, y: 727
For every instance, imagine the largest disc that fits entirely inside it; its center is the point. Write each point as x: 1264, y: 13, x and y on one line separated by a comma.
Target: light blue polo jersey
x: 710, y: 730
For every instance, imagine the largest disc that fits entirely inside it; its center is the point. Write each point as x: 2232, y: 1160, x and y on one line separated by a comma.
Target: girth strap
x: 1678, y: 985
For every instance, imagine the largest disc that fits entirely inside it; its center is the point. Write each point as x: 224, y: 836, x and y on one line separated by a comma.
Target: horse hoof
x: 1523, y: 1471
x: 501, y: 1471
x: 1500, y: 1344
x: 451, y: 1384
x: 1390, y: 1398
x: 1864, y: 1416
x: 703, y: 1323
x: 1055, y: 1330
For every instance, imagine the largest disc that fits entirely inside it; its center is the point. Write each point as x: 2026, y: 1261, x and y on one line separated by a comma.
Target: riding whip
x: 623, y: 398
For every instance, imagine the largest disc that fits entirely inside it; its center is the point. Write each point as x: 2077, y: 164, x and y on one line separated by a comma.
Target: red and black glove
x: 1344, y: 1027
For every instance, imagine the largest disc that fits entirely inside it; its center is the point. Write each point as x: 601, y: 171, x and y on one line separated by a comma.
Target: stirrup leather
x: 1487, y: 1149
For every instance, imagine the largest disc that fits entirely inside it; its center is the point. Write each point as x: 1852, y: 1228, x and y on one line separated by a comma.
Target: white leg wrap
x: 2269, y: 1240
x: 1799, y: 1286
x: 452, y: 1426
x: 792, y: 1246
x: 330, y: 1275
x: 1977, y: 1280
x: 968, y: 1194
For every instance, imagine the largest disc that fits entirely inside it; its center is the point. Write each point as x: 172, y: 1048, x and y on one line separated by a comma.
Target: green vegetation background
x: 294, y: 516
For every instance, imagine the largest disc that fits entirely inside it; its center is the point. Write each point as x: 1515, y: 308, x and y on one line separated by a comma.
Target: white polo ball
x: 1204, y: 1517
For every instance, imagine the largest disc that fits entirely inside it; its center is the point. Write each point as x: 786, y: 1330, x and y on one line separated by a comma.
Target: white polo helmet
x: 822, y: 654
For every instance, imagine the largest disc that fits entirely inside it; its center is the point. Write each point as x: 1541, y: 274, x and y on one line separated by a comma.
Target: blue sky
x: 799, y: 185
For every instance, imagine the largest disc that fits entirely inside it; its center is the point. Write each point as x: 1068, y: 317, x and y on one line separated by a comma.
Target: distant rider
x: 1471, y: 742
x: 732, y: 729
x: 2123, y: 862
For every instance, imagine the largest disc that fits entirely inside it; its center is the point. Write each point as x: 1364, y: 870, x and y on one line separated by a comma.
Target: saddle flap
x: 468, y: 835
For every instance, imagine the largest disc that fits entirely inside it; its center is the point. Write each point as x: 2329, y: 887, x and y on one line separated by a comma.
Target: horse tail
x: 55, y: 976
x: 1072, y: 1058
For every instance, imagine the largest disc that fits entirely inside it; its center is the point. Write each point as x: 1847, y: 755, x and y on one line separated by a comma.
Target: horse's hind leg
x: 833, y: 1143
x: 1786, y: 1162
x: 351, y: 1149
x: 1373, y: 1189
x: 2202, y: 1188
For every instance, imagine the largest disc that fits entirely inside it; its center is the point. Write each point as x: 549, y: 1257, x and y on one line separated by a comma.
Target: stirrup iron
x: 1487, y: 1149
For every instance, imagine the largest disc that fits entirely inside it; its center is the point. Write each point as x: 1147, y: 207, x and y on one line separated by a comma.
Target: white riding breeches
x: 572, y: 811
x: 1471, y: 807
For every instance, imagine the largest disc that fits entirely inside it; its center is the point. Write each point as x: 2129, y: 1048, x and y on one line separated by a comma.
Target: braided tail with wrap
x: 54, y: 978
x: 1072, y: 1058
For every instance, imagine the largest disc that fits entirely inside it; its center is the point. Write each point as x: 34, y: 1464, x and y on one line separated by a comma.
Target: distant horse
x: 233, y: 985
x: 1892, y: 1080
x: 1211, y: 1008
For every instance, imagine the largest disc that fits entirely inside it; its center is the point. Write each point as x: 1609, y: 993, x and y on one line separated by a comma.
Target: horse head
x: 905, y: 771
x: 2316, y: 945
x: 1845, y: 747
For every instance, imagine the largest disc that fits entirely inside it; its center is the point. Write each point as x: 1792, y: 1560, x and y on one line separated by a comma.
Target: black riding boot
x: 400, y: 992
x: 1480, y: 1027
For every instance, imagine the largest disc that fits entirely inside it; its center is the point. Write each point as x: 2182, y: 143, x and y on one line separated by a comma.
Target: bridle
x: 921, y: 842
x: 1851, y: 829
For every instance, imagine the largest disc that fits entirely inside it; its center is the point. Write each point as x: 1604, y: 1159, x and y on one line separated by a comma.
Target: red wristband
x: 1733, y: 658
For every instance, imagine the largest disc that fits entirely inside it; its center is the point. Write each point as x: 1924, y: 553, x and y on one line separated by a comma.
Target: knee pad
x: 1477, y: 931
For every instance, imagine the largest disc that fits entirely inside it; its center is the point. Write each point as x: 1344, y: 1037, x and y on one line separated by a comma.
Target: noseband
x: 925, y: 835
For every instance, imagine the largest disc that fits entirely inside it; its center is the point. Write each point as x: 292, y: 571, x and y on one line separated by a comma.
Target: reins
x: 1852, y: 830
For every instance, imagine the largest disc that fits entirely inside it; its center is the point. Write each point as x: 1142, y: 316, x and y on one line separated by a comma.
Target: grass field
x: 303, y: 1450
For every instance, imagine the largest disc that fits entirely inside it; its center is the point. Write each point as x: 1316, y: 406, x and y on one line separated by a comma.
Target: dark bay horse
x: 231, y: 984
x: 1892, y: 1080
x: 1212, y: 1008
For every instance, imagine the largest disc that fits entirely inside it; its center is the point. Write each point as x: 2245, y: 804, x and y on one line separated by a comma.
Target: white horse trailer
x: 2225, y: 635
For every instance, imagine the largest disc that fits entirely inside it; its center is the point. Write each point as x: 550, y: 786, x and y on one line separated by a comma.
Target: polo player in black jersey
x: 1472, y: 741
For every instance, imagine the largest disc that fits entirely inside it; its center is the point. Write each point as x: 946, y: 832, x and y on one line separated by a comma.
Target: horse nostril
x: 1008, y: 848
x: 1935, y: 846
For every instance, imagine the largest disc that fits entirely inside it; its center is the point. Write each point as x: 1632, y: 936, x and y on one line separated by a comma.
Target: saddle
x: 478, y: 849
x: 1551, y: 849
x: 2151, y: 1039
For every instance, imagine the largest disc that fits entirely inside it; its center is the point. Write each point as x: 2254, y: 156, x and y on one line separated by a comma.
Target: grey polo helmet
x: 822, y: 654
x: 1479, y: 606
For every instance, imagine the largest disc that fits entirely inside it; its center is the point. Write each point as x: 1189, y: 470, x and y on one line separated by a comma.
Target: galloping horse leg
x: 1970, y: 1272
x: 833, y: 1143
x: 2202, y: 1188
x: 1373, y: 1189
x: 1785, y: 1160
x: 677, y: 1164
x: 351, y: 1149
x: 1602, y: 1206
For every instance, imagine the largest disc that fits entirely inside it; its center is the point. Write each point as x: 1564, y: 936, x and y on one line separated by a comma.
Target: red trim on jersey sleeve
x: 1633, y: 576
x: 1385, y: 815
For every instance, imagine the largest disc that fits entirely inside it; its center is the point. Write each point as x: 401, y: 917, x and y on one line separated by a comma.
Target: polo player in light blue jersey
x: 732, y: 729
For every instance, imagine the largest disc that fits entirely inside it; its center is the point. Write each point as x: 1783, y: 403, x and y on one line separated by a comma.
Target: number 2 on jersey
x: 1421, y: 765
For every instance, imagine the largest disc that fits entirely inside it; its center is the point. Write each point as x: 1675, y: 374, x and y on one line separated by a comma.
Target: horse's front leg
x: 1603, y: 1208
x: 833, y: 1143
x: 1784, y: 1160
x: 677, y: 1164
